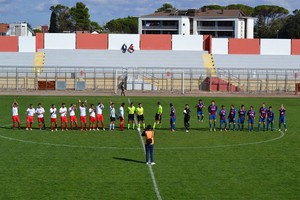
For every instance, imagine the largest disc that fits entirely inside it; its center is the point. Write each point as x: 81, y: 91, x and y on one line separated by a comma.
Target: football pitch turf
x: 41, y: 164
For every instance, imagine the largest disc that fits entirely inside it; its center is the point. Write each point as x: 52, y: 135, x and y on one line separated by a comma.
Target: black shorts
x: 140, y: 117
x: 112, y: 119
x: 130, y: 116
x: 157, y: 117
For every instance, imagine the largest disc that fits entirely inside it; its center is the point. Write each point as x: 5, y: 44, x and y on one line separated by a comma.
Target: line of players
x: 266, y: 116
x: 95, y: 116
x: 265, y: 119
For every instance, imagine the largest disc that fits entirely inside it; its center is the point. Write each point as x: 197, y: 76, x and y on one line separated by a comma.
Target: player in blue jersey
x: 172, y: 117
x: 282, y: 119
x: 262, y: 117
x: 223, y: 120
x: 250, y: 118
x: 200, y: 114
x: 231, y: 118
x: 270, y: 120
x: 242, y: 113
x: 212, y: 111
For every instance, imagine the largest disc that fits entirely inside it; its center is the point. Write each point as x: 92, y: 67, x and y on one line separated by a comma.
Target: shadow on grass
x: 129, y: 160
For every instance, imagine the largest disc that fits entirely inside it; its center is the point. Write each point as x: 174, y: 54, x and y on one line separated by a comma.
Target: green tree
x: 123, y: 25
x: 269, y: 12
x: 63, y: 18
x: 96, y: 27
x: 80, y: 17
x: 246, y: 9
x: 291, y: 28
x: 164, y: 7
x: 53, y: 23
x: 213, y: 7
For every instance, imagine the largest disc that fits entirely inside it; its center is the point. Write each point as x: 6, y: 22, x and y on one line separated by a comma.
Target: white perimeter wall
x: 220, y: 46
x: 275, y: 47
x: 116, y: 41
x: 187, y: 42
x: 60, y: 41
x: 26, y: 44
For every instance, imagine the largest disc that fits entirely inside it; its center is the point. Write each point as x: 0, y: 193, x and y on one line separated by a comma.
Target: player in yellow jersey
x: 131, y: 111
x: 158, y: 115
x: 140, y: 116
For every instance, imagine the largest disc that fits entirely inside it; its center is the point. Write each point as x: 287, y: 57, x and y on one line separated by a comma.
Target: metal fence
x: 150, y: 79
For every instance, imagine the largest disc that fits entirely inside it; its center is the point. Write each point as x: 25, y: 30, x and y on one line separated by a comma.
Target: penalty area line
x: 150, y: 166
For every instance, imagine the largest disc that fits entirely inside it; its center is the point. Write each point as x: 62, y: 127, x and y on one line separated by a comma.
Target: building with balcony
x: 218, y: 23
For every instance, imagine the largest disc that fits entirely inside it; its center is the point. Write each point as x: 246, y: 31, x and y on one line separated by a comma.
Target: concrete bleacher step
x: 115, y: 58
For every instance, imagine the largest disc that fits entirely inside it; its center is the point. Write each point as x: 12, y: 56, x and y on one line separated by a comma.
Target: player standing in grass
x: 200, y: 113
x: 212, y: 111
x: 158, y: 115
x: 131, y: 111
x: 282, y: 118
x: 40, y: 115
x: 73, y: 119
x: 53, y: 122
x: 92, y: 113
x: 140, y: 116
x: 231, y: 118
x: 30, y: 114
x: 63, y: 117
x: 262, y: 116
x: 172, y: 117
x: 99, y: 111
x: 250, y: 118
x: 270, y: 120
x: 242, y: 113
x: 187, y: 116
x: 82, y: 109
x: 112, y: 116
x: 15, y: 114
x: 223, y: 120
x: 121, y: 116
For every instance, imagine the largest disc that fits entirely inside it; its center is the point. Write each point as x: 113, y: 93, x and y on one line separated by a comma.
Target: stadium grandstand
x: 159, y: 62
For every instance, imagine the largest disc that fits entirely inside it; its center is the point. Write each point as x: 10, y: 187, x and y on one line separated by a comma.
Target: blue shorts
x: 241, y: 120
x: 200, y: 113
x: 212, y: 117
x: 222, y: 121
x: 251, y: 121
x: 270, y: 120
x: 281, y: 119
x: 262, y: 119
x: 231, y: 120
x: 172, y: 120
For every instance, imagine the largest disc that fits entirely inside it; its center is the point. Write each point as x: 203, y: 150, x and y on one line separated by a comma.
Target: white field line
x: 150, y: 166
x: 131, y: 148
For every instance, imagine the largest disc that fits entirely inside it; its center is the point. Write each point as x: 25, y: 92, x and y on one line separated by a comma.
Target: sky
x: 37, y: 13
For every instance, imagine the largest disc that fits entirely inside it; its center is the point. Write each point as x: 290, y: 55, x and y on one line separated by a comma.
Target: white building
x: 19, y: 29
x: 218, y: 23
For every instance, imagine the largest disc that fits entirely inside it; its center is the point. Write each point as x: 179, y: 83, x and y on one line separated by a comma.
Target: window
x: 225, y: 23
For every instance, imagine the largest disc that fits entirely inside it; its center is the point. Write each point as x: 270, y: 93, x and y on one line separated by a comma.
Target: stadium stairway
x: 208, y: 62
x: 214, y: 83
x: 39, y: 61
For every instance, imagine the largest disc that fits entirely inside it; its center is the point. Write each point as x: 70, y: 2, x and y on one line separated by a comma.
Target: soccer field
x: 41, y: 164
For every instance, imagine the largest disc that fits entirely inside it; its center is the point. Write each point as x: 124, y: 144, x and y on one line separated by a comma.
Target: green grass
x: 197, y: 165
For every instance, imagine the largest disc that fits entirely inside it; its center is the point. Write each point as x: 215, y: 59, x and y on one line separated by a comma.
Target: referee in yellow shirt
x: 158, y: 115
x: 131, y: 111
x: 140, y: 116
